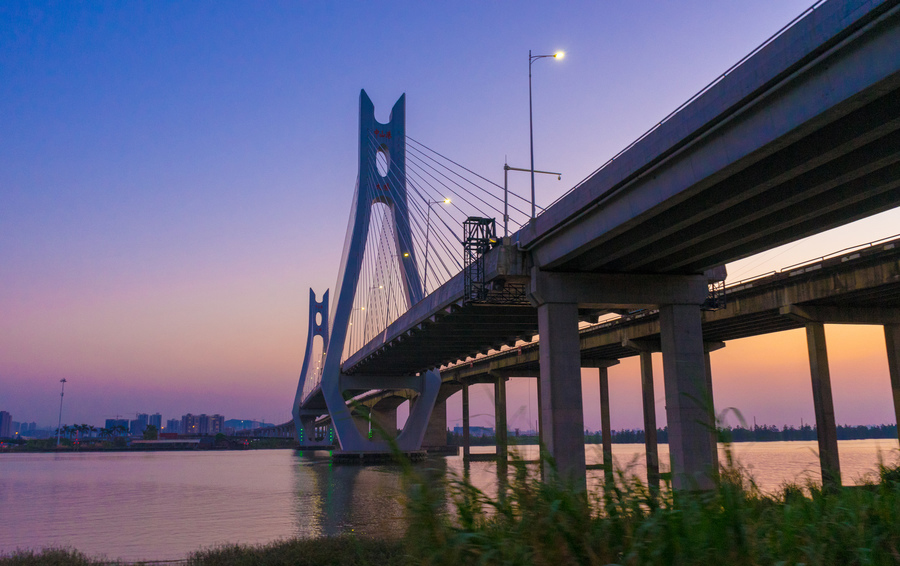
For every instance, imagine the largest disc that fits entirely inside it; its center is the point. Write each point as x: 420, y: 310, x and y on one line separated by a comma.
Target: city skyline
x: 175, y: 178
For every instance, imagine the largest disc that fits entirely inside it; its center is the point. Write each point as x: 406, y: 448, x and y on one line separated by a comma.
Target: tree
x: 150, y: 433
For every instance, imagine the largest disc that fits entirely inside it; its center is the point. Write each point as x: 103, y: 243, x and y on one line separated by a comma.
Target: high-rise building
x: 139, y: 425
x: 216, y: 424
x: 204, y: 425
x: 5, y: 424
x: 173, y: 425
x: 155, y: 420
x: 190, y: 424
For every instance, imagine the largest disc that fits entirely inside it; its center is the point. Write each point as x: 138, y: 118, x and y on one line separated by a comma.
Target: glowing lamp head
x: 447, y: 200
x: 405, y: 254
x: 559, y: 54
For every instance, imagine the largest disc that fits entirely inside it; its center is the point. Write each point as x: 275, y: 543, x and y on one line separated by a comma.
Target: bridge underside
x: 841, y: 168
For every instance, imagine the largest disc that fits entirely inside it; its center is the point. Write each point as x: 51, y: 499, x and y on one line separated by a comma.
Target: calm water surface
x: 164, y: 505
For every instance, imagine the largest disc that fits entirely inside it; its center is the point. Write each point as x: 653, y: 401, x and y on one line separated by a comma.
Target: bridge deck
x: 854, y: 283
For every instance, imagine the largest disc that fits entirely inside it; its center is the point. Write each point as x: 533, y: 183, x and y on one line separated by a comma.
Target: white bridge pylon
x: 390, y: 190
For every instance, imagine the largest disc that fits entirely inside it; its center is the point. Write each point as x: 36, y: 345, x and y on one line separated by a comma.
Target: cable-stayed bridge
x: 801, y: 136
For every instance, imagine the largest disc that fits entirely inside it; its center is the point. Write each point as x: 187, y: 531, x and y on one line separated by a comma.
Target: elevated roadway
x: 802, y: 136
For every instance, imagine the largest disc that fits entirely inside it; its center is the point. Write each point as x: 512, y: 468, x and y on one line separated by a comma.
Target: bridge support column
x: 465, y: 421
x: 688, y: 397
x: 714, y: 433
x: 436, y: 433
x: 892, y: 341
x: 826, y: 431
x: 562, y: 422
x: 361, y: 417
x: 500, y: 425
x: 605, y: 425
x: 384, y: 423
x: 648, y: 398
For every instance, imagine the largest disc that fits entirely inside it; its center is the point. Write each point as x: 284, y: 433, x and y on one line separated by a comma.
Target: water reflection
x: 368, y: 500
x: 164, y: 505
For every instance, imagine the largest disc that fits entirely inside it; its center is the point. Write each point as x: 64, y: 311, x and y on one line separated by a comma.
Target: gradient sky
x: 175, y: 176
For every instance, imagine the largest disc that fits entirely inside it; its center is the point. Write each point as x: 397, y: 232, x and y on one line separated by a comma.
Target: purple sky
x: 175, y: 176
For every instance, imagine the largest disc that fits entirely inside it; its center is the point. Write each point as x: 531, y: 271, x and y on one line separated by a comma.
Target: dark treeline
x: 757, y: 433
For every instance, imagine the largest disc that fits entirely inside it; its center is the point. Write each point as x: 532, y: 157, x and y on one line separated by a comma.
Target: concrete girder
x: 618, y: 290
x: 841, y: 315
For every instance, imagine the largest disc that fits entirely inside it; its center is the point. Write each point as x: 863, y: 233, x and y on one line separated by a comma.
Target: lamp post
x: 531, y: 60
x: 506, y: 169
x: 61, y: 393
x: 427, y: 234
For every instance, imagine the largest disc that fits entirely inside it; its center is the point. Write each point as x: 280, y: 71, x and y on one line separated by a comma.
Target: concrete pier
x: 500, y: 424
x: 824, y: 405
x: 384, y: 423
x: 605, y: 426
x: 688, y: 397
x: 436, y: 432
x: 466, y: 440
x: 648, y: 398
x: 892, y: 341
x: 562, y: 418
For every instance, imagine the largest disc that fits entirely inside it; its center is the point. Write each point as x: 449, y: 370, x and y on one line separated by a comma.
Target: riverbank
x: 204, y: 443
x: 536, y: 521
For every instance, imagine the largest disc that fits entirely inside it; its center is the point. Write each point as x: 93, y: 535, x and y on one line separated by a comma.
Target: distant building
x: 155, y: 420
x: 139, y: 425
x: 203, y: 425
x: 212, y: 424
x: 173, y: 426
x: 190, y: 424
x: 5, y: 424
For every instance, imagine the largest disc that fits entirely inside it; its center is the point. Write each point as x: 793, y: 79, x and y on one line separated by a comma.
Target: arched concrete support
x: 826, y: 429
x: 384, y: 423
x: 892, y: 341
x: 436, y: 432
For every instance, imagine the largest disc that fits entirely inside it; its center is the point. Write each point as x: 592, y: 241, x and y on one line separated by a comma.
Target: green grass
x: 534, y: 522
x: 326, y: 551
x: 547, y: 523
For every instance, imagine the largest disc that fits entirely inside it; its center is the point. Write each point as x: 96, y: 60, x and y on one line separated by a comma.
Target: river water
x: 164, y: 505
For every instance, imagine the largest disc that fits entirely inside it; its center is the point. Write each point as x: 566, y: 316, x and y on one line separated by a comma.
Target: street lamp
x: 61, y: 393
x: 532, y: 59
x: 427, y: 234
x: 506, y: 169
